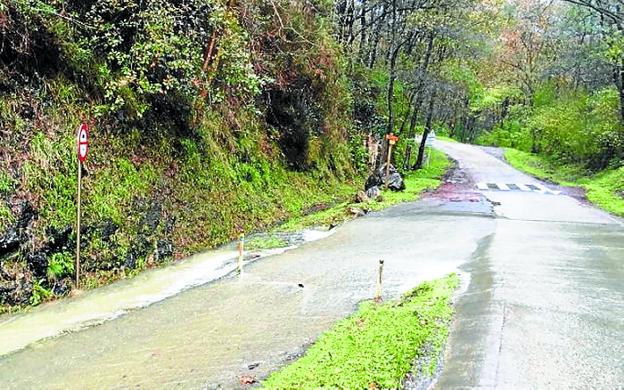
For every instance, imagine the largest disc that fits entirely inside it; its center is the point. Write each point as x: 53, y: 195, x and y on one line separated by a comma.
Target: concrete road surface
x: 543, y: 304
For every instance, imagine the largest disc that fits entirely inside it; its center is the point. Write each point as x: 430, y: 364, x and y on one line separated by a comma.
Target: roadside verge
x: 378, y: 345
x: 605, y: 189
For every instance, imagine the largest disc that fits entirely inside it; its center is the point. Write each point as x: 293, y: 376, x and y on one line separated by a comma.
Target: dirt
x: 457, y: 187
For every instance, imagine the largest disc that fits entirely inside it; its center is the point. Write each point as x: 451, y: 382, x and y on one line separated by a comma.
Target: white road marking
x: 533, y: 187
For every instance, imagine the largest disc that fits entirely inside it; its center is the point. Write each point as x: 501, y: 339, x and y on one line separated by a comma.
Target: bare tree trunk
x: 362, y: 31
x: 619, y: 83
x: 349, y: 37
x: 372, y: 55
x: 428, y: 123
x: 395, y: 48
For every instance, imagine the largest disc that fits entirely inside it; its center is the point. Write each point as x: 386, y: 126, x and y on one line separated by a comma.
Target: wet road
x: 544, y: 303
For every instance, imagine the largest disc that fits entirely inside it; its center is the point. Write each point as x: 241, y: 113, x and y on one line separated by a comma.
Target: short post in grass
x: 241, y: 252
x: 379, y: 280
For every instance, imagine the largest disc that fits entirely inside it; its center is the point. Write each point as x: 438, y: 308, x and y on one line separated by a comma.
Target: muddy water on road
x: 250, y: 325
x: 110, y: 302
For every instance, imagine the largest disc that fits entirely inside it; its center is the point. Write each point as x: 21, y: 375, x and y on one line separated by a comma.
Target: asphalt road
x: 543, y: 303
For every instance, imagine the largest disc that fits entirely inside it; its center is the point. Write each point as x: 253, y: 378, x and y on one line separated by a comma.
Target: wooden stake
x: 77, y: 264
x: 241, y: 252
x: 379, y: 279
x: 388, y: 164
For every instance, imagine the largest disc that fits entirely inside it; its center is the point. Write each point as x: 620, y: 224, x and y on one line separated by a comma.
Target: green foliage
x: 60, y: 265
x: 266, y: 242
x: 416, y: 182
x: 6, y: 183
x: 52, y: 166
x: 572, y: 127
x: 6, y: 217
x: 40, y: 294
x: 605, y: 189
x: 377, y: 346
x: 109, y: 194
x: 168, y: 131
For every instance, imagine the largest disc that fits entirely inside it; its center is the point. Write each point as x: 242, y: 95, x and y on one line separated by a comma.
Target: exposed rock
x: 138, y: 250
x: 10, y: 242
x: 373, y: 193
x: 356, y: 212
x: 59, y: 240
x: 109, y: 228
x: 38, y: 264
x: 170, y: 225
x: 151, y: 221
x: 61, y: 288
x: 27, y: 214
x: 374, y: 180
x: 395, y: 182
x: 16, y: 292
x: 164, y: 250
x: 361, y: 197
x: 378, y: 179
x: 12, y: 239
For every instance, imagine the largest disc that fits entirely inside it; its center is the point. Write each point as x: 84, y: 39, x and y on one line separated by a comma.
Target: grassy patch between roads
x: 377, y: 346
x: 416, y: 183
x: 605, y: 189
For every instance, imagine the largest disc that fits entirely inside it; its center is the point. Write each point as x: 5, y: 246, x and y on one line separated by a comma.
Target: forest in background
x: 212, y: 117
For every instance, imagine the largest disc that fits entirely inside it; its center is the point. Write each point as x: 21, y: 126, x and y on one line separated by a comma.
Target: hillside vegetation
x: 207, y: 119
x: 212, y: 117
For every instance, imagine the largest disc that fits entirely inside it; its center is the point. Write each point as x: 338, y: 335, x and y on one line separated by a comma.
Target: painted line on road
x: 532, y: 187
x: 523, y: 188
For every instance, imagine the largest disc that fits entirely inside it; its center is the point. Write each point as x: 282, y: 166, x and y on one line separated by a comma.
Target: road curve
x: 543, y: 304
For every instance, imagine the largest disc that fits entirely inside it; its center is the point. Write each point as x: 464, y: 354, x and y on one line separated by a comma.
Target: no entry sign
x: 83, y: 142
x: 393, y: 139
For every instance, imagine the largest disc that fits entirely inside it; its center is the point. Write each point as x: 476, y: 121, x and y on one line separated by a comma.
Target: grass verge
x: 605, y: 189
x: 377, y: 346
x: 416, y: 182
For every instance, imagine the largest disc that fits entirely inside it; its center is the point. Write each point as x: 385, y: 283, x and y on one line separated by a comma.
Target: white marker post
x: 83, y: 149
x: 241, y: 252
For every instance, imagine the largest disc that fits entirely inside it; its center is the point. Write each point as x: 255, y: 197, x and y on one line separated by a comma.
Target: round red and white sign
x: 83, y: 142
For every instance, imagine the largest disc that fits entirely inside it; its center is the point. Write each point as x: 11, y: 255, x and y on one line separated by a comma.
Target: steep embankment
x: 207, y: 118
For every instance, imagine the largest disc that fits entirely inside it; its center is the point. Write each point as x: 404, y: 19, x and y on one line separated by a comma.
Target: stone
x: 164, y: 250
x: 357, y: 212
x: 361, y: 197
x: 373, y: 193
x: 38, y: 264
x: 395, y: 182
x: 10, y: 242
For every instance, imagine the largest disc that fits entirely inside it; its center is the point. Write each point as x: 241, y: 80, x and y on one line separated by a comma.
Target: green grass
x: 416, y: 183
x: 268, y: 242
x: 377, y: 346
x: 606, y: 189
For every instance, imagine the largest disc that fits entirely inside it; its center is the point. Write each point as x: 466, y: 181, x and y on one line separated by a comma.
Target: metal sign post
x: 83, y: 149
